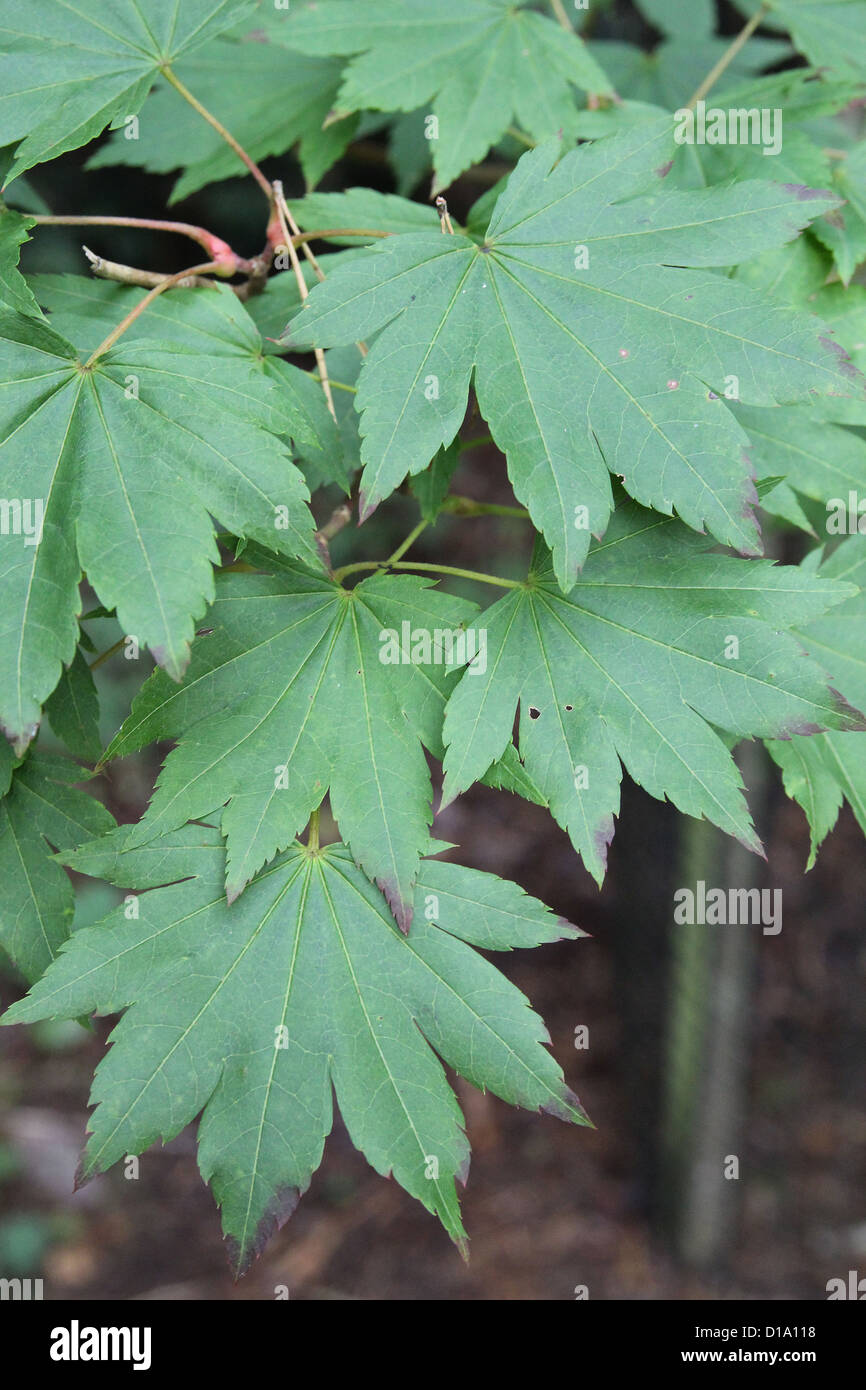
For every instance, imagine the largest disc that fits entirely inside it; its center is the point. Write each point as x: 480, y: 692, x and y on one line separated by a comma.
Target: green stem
x: 338, y: 385
x: 340, y: 574
x: 264, y: 183
x: 475, y: 443
x: 313, y: 837
x: 330, y: 233
x: 104, y: 656
x: 142, y: 304
x: 467, y: 506
x: 520, y: 136
x: 463, y: 574
x: 410, y: 540
x: 727, y: 57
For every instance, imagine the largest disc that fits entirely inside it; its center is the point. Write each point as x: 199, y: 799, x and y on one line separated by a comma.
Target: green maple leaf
x: 477, y: 64
x: 269, y: 98
x: 14, y: 290
x: 286, y: 697
x: 362, y: 208
x: 430, y: 488
x: 844, y: 231
x: 73, y: 710
x: 817, y: 458
x: 212, y: 325
x: 668, y: 75
x: 804, y: 97
x: 844, y: 308
x: 69, y: 70
x: 583, y: 365
x: 831, y: 33
x: 121, y: 464
x: 674, y: 69
x: 820, y: 772
x: 43, y: 808
x: 806, y: 444
x: 253, y: 1013
x: 637, y: 665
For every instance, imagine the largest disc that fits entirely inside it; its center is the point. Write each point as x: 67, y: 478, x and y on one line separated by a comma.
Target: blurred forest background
x: 702, y: 1042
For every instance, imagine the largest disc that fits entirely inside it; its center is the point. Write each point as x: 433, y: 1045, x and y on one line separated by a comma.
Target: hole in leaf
x: 533, y: 712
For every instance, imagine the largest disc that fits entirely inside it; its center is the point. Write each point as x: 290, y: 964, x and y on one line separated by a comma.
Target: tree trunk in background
x: 642, y: 870
x: 705, y: 1068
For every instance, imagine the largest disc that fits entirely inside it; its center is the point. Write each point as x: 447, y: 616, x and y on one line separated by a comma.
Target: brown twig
x: 340, y: 517
x: 213, y: 246
x: 444, y: 219
x: 131, y: 275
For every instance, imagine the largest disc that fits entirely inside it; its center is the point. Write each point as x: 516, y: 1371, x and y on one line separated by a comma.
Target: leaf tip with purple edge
x: 174, y: 667
x: 281, y: 1206
x: 20, y: 739
x: 603, y: 838
x: 568, y: 931
x: 567, y: 1107
x: 843, y: 361
x: 803, y: 193
x: 401, y: 910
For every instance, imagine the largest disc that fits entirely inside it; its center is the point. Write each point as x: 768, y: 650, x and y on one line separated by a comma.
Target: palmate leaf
x: 657, y: 647
x: 43, y: 808
x: 217, y: 327
x: 213, y: 325
x: 125, y: 461
x: 819, y: 772
x: 286, y: 697
x: 270, y: 99
x: 582, y: 369
x: 479, y: 64
x: 69, y: 70
x: 252, y: 1014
